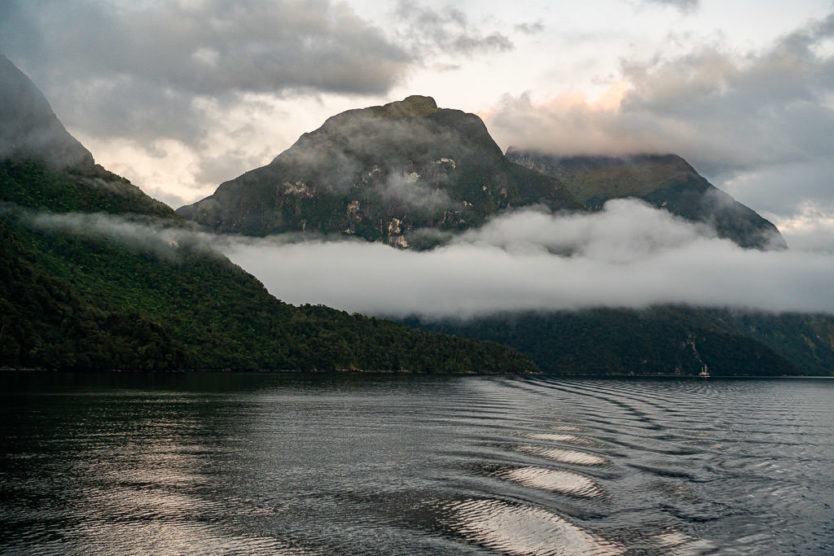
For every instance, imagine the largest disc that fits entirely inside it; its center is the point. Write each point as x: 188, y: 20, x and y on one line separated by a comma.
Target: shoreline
x: 399, y: 372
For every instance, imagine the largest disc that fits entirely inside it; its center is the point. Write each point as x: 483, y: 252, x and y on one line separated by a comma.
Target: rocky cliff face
x: 385, y: 173
x: 665, y: 181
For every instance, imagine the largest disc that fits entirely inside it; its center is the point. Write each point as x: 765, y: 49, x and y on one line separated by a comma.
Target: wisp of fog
x: 629, y: 255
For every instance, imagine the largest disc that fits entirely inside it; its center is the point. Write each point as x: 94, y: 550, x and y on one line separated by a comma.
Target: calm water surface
x: 290, y: 464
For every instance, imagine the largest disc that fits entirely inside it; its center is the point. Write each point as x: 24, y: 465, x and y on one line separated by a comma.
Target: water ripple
x: 562, y: 455
x: 565, y: 482
x: 339, y: 464
x: 518, y: 529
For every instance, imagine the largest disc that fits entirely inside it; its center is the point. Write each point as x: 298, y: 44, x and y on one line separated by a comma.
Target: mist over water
x: 350, y: 464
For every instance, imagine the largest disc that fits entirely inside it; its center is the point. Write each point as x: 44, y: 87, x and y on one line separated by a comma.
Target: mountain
x: 406, y: 172
x: 43, y: 166
x: 29, y: 128
x: 669, y: 340
x: 402, y: 172
x: 665, y: 340
x: 395, y: 173
x: 96, y: 275
x: 665, y: 181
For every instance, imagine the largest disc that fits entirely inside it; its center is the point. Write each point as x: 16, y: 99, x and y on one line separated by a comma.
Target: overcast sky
x: 181, y: 95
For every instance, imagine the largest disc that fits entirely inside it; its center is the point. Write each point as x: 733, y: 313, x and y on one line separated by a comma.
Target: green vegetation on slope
x: 658, y: 341
x: 805, y: 340
x: 665, y: 181
x: 89, y: 188
x: 85, y: 301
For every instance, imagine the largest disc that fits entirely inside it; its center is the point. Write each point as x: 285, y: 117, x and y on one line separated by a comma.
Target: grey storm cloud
x: 207, y: 47
x: 682, y: 5
x: 533, y: 28
x: 629, y: 255
x: 134, y: 71
x: 726, y: 113
x: 130, y: 107
x: 447, y: 31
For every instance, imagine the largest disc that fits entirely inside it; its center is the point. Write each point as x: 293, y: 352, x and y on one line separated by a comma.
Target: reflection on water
x: 564, y: 456
x: 554, y: 437
x: 347, y: 464
x: 553, y: 479
x: 517, y: 529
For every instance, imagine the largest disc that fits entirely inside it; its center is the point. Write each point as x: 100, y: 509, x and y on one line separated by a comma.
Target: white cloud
x: 629, y: 255
x: 810, y: 230
x: 739, y: 118
x: 412, y: 192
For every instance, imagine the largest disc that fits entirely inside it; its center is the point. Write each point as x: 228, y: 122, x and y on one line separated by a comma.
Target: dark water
x: 287, y: 464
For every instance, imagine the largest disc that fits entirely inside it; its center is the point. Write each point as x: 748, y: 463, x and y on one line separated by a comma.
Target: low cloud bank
x: 629, y: 255
x: 137, y: 233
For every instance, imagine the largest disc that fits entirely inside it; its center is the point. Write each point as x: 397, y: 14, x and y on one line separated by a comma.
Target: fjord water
x: 354, y: 464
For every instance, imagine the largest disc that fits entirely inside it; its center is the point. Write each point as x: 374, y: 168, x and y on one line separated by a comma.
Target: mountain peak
x: 411, y: 106
x: 666, y: 181
x: 43, y: 167
x: 29, y: 127
x: 391, y: 173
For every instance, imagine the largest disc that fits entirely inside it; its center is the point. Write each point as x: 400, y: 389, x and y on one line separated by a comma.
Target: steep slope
x: 807, y: 341
x: 42, y: 166
x: 29, y: 128
x: 75, y: 296
x: 669, y: 340
x: 665, y: 181
x: 676, y: 341
x: 383, y: 173
x: 75, y: 301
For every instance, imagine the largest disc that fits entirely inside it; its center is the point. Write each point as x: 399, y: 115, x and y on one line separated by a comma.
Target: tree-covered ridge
x: 671, y: 341
x: 665, y: 181
x: 29, y: 183
x: 383, y: 173
x: 806, y: 340
x: 85, y: 301
x: 665, y: 340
